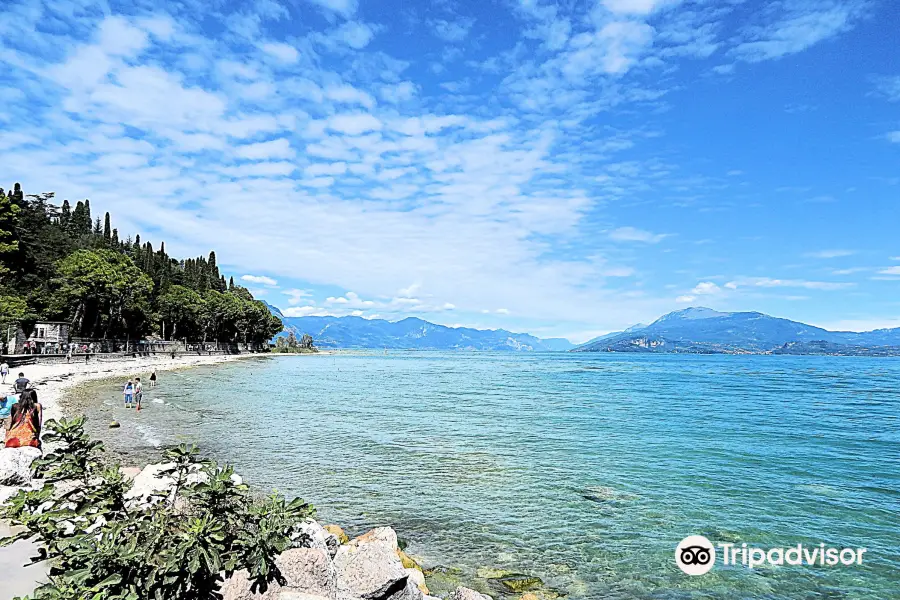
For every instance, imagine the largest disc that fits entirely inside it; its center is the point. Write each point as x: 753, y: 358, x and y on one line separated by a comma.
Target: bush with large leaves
x: 181, y: 544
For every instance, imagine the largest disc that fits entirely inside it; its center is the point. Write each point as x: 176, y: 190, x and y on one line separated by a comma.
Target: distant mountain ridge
x: 411, y: 333
x: 703, y: 330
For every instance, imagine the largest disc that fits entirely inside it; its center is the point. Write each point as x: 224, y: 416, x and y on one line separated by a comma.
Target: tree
x: 9, y: 243
x: 181, y: 312
x: 104, y: 292
x: 107, y: 231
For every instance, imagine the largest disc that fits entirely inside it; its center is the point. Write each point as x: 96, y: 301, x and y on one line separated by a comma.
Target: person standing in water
x: 4, y: 371
x: 153, y: 379
x: 129, y: 394
x: 138, y: 392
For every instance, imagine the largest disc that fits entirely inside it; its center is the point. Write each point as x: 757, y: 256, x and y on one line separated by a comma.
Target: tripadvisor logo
x: 696, y: 555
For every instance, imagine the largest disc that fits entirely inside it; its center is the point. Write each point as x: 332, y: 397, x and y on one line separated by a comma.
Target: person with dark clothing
x: 22, y: 383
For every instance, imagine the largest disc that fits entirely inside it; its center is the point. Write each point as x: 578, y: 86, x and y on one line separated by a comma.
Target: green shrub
x: 182, y: 546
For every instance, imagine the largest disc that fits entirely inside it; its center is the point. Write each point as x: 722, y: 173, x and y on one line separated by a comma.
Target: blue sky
x: 563, y: 168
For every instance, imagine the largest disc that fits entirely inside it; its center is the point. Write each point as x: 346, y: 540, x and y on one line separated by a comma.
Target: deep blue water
x: 586, y: 470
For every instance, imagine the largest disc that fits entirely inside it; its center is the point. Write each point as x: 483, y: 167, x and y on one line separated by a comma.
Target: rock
x: 309, y: 575
x: 308, y: 570
x: 368, y: 567
x: 410, y: 591
x: 310, y: 534
x: 518, y: 583
x: 416, y: 576
x: 338, y: 532
x: 407, y: 561
x: 15, y: 464
x: 464, y: 593
x: 528, y: 596
x: 130, y: 472
x: 114, y: 425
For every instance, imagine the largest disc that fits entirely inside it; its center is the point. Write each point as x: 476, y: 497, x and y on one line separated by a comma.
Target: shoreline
x: 52, y: 382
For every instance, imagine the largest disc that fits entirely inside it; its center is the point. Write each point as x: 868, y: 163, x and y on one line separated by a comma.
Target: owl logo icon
x: 695, y: 555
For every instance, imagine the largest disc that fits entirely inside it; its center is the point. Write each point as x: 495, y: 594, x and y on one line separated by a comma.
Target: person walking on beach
x: 153, y: 379
x: 25, y: 420
x: 68, y: 355
x: 4, y: 371
x: 129, y: 394
x: 138, y: 392
x: 22, y: 383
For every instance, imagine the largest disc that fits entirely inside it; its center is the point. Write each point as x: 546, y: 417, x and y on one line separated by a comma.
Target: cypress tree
x: 107, y: 230
x: 65, y: 216
x: 86, y: 225
x: 231, y: 284
x: 78, y: 218
x: 115, y: 237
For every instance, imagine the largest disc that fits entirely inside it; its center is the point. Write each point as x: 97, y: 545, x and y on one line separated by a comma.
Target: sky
x: 560, y: 168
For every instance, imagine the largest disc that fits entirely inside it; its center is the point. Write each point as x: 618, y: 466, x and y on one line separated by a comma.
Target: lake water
x: 583, y: 469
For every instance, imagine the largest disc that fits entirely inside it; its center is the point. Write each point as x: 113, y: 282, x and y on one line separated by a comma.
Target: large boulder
x: 368, y: 567
x: 15, y: 464
x: 309, y: 534
x: 308, y: 572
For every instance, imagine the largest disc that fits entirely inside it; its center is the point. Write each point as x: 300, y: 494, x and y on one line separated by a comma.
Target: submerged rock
x: 114, y: 425
x: 15, y: 465
x: 517, y: 582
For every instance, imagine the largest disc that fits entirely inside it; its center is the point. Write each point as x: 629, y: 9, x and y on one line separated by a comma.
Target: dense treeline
x: 59, y: 263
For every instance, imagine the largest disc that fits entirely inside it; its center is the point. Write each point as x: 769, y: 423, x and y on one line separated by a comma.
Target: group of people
x: 23, y: 415
x: 134, y: 391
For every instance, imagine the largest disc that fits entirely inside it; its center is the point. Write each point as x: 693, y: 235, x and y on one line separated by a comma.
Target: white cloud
x: 830, y: 253
x: 452, y: 31
x: 768, y: 282
x: 632, y: 234
x: 797, y: 26
x: 685, y: 299
x: 283, y: 52
x: 502, y: 311
x: 345, y: 8
x: 354, y: 123
x: 354, y: 34
x: 399, y: 92
x: 890, y: 271
x: 260, y: 279
x: 279, y: 148
x: 888, y: 88
x: 894, y: 137
x: 347, y: 94
x: 296, y: 296
x: 706, y: 288
x: 636, y: 7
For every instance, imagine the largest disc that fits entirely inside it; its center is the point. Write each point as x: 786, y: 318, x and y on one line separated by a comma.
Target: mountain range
x: 703, y: 330
x: 695, y: 330
x: 412, y: 333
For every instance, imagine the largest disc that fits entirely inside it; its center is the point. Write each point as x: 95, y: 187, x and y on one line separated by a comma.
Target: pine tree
x: 98, y: 228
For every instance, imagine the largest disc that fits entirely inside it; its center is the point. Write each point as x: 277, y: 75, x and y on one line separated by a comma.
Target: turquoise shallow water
x: 586, y: 470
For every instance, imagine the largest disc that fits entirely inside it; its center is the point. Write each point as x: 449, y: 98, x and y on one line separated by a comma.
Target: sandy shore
x: 51, y: 382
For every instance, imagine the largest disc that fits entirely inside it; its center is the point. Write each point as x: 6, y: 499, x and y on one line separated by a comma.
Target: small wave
x: 147, y: 434
x: 158, y: 401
